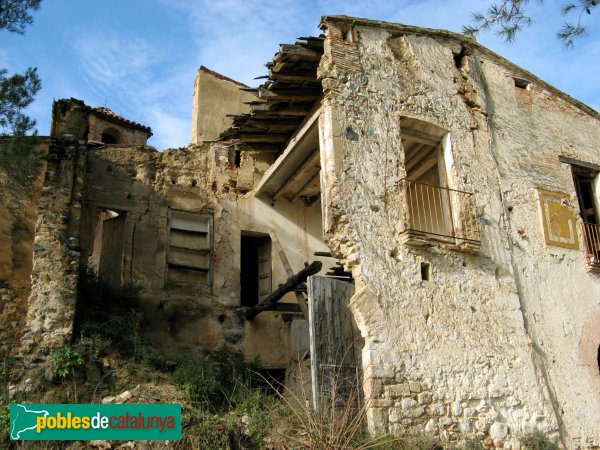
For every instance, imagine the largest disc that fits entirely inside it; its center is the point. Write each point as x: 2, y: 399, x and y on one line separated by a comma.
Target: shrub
x: 538, y: 441
x: 67, y: 361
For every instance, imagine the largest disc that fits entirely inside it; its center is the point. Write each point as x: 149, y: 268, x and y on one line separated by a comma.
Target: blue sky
x: 139, y: 57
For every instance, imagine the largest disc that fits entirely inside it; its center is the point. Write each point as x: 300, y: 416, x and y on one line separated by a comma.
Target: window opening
x: 434, y: 211
x: 425, y: 271
x: 584, y: 186
x: 428, y: 198
x: 190, y: 248
x: 255, y: 270
x: 108, y: 247
x: 584, y: 180
x: 110, y: 136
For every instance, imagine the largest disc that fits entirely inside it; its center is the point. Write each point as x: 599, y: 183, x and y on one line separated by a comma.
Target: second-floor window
x: 585, y: 180
x: 434, y: 211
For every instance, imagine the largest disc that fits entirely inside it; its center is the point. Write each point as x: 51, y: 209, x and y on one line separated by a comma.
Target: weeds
x: 538, y: 441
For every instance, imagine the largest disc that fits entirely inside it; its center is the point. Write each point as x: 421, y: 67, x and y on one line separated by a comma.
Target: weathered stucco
x: 22, y: 168
x: 216, y: 98
x: 492, y: 334
x: 489, y: 345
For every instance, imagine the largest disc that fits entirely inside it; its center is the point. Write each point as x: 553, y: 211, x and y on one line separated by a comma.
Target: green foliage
x: 473, y: 444
x: 215, y: 384
x: 108, y: 314
x: 67, y: 361
x: 7, y: 364
x: 14, y: 14
x: 508, y: 17
x: 196, y: 378
x: 17, y: 91
x: 19, y: 159
x: 538, y: 441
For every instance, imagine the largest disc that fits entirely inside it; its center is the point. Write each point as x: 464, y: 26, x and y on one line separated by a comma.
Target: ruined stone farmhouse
x: 443, y: 201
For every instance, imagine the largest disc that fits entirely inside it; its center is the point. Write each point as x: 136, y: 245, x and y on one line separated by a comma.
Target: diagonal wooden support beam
x: 286, y: 287
x: 288, y: 270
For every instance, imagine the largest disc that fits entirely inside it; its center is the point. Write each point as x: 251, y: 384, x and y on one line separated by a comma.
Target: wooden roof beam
x: 417, y: 136
x: 293, y: 52
x: 263, y: 138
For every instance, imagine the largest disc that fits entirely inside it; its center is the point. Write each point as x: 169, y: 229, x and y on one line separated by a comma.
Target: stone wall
x: 146, y: 186
x: 125, y: 135
x: 56, y: 253
x: 482, y: 348
x: 22, y: 168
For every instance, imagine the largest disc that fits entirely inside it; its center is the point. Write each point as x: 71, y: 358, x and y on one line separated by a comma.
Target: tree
x: 509, y: 16
x: 14, y: 14
x: 17, y: 91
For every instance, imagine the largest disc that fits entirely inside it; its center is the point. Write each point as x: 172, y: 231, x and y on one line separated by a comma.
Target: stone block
x: 498, y: 431
x: 415, y: 386
x: 377, y: 419
x: 424, y: 398
x: 397, y: 390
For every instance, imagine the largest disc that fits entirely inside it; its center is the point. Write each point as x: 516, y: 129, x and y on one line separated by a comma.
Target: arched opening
x: 598, y: 358
x: 111, y: 136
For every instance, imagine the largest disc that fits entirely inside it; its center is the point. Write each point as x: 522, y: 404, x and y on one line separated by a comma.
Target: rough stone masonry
x: 461, y: 191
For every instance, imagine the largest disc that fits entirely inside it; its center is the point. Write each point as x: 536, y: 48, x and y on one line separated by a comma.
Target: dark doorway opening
x: 255, y: 271
x: 598, y: 358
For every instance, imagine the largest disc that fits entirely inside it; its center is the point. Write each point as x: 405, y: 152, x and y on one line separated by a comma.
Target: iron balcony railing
x: 591, y: 241
x: 439, y: 213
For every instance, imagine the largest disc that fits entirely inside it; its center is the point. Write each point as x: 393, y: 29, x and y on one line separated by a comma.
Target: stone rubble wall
x: 458, y: 356
x: 145, y: 185
x: 128, y: 136
x: 56, y: 253
x: 22, y: 169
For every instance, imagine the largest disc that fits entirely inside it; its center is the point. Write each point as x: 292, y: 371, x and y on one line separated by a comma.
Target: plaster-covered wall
x: 145, y: 186
x: 488, y: 346
x: 216, y: 97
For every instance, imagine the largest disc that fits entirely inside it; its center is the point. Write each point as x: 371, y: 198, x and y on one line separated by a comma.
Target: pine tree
x: 17, y: 91
x: 508, y: 17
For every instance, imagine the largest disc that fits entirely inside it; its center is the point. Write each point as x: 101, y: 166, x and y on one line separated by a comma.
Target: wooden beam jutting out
x: 269, y: 301
x: 283, y: 100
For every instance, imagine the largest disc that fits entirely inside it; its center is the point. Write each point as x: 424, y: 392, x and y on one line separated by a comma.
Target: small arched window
x: 111, y: 136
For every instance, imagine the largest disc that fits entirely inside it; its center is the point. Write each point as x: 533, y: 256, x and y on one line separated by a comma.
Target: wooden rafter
x: 283, y: 100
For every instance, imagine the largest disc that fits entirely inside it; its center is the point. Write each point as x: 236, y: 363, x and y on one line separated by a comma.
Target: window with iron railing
x: 585, y: 179
x: 439, y: 213
x: 433, y: 212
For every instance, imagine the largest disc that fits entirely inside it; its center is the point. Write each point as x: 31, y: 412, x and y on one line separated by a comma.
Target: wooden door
x: 264, y: 267
x: 335, y: 344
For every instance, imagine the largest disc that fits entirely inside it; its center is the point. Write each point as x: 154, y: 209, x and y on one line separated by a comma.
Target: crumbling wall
x: 216, y: 98
x: 530, y: 129
x: 22, y: 168
x: 127, y: 135
x: 451, y: 355
x: 145, y: 187
x: 56, y: 253
x: 295, y: 229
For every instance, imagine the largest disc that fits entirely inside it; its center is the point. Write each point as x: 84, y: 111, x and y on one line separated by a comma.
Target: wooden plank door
x: 264, y: 268
x: 335, y: 344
